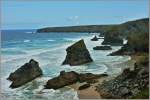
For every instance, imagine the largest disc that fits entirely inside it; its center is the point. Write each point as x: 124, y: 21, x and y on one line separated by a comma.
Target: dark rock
x: 77, y: 54
x: 64, y: 79
x: 94, y: 38
x: 92, y: 81
x: 102, y: 48
x: 89, y: 76
x: 68, y: 78
x: 25, y: 73
x: 136, y: 43
x: 112, y: 38
x: 84, y: 86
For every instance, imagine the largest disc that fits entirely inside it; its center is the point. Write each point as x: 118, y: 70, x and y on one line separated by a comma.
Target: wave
x: 26, y: 40
x: 50, y: 40
x: 32, y: 53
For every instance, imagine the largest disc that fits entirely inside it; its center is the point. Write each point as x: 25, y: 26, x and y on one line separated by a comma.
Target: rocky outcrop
x: 102, y: 48
x: 77, y: 54
x: 136, y: 43
x: 113, y: 38
x: 94, y: 38
x: 25, y: 73
x: 128, y: 84
x: 68, y: 78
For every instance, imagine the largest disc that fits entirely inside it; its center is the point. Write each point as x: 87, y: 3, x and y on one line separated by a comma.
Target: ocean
x: 49, y: 49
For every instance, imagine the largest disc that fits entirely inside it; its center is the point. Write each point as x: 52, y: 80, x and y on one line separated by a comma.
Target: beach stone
x: 94, y: 38
x: 84, y: 86
x: 25, y: 73
x: 102, y: 48
x: 77, y: 54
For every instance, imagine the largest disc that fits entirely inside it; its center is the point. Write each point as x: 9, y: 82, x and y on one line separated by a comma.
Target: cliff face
x: 130, y: 83
x: 140, y: 25
x: 136, y: 43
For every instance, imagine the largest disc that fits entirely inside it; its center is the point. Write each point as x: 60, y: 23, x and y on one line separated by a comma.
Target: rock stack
x: 77, y: 54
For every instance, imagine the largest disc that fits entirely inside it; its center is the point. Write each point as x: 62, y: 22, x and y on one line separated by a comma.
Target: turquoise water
x: 19, y: 46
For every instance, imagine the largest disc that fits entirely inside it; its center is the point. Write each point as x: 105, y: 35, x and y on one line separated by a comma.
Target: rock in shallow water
x: 25, y: 73
x: 94, y: 38
x: 77, y: 54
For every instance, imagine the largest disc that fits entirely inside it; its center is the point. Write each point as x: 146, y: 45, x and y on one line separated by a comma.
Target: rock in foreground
x: 68, y: 78
x: 77, y: 54
x: 25, y: 73
x: 102, y: 48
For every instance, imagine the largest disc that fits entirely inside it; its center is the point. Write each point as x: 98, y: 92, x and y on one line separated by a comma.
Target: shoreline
x: 90, y: 92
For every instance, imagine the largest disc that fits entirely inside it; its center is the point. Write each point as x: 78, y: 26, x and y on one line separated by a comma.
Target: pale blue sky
x: 29, y: 14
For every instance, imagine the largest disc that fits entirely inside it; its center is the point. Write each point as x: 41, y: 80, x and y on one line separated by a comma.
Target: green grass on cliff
x: 144, y: 94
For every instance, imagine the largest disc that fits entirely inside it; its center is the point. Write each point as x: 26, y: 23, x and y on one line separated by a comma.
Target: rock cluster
x: 77, y: 54
x: 68, y: 78
x: 25, y: 73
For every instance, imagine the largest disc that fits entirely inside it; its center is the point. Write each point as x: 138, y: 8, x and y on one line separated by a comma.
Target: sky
x: 34, y: 14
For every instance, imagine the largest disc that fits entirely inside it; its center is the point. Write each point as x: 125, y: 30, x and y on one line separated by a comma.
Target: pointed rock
x: 77, y: 54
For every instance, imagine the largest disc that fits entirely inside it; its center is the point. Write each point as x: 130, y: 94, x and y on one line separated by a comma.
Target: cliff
x: 129, y: 27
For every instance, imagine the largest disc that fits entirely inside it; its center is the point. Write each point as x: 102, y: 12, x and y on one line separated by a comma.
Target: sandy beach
x: 91, y: 93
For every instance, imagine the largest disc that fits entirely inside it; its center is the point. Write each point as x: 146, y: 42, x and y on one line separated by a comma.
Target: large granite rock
x: 94, y: 38
x: 25, y: 73
x: 68, y: 78
x: 77, y: 54
x: 128, y: 84
x: 102, y: 48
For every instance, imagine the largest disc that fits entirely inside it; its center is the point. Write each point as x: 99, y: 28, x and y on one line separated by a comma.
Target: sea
x: 49, y: 49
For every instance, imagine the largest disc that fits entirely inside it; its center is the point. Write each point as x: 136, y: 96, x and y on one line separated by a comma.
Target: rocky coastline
x: 130, y: 83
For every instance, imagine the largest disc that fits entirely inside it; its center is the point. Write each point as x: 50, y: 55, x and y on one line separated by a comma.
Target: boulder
x: 77, y: 54
x: 84, y: 86
x: 94, y: 38
x: 68, y: 78
x: 102, y: 48
x: 25, y: 73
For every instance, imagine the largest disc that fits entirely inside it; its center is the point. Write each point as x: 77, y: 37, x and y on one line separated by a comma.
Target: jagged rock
x: 84, y: 86
x: 102, y: 48
x: 25, y: 73
x: 68, y: 78
x: 94, y: 38
x: 77, y: 54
